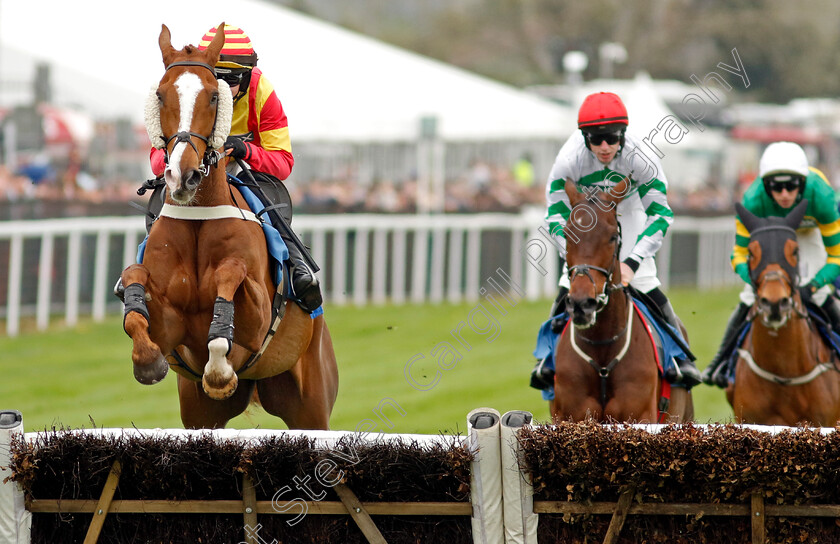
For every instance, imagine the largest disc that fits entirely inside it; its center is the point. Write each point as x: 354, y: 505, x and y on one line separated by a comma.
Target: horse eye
x: 214, y: 98
x: 159, y: 97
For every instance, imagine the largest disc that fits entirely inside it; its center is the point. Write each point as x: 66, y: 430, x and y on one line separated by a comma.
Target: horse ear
x: 575, y: 196
x: 796, y: 214
x: 165, y: 42
x: 215, y: 47
x: 747, y: 218
x: 619, y: 190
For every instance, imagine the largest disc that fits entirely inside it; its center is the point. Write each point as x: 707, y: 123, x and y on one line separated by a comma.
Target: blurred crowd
x: 484, y: 187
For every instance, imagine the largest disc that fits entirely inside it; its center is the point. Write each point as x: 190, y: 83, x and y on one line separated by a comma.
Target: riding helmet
x: 237, y: 51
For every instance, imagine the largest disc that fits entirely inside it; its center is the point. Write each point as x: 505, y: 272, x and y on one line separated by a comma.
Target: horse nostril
x: 192, y: 179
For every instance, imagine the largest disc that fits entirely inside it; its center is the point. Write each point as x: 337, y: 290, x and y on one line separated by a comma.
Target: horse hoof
x: 220, y: 392
x: 152, y: 373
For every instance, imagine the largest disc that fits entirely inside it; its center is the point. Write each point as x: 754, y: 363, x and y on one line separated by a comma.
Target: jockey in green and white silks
x: 644, y: 214
x: 600, y: 156
x: 785, y: 178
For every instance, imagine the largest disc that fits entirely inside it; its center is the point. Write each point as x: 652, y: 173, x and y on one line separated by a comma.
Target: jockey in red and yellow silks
x: 259, y: 135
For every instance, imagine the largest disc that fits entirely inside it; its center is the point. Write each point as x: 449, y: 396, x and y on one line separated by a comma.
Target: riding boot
x: 689, y: 375
x: 831, y: 306
x: 715, y: 372
x: 542, y: 377
x: 306, y: 288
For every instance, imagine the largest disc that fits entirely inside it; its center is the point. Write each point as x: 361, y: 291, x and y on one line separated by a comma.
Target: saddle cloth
x: 667, y: 349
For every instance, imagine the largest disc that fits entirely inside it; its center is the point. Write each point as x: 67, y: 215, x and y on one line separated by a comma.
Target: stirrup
x: 542, y: 377
x: 119, y: 290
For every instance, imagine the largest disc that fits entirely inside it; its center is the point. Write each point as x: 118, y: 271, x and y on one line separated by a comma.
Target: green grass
x: 83, y: 376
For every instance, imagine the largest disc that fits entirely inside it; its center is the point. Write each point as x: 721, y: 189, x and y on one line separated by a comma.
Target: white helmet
x: 783, y: 158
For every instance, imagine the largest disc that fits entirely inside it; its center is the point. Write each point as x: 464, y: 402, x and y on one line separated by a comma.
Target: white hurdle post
x: 485, y: 478
x: 15, y: 520
x: 518, y: 493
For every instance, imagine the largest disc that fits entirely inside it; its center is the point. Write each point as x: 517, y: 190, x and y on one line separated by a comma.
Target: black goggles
x: 233, y: 79
x: 611, y: 138
x: 784, y: 183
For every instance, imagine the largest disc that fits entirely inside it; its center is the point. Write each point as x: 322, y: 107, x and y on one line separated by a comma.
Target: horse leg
x: 681, y: 406
x: 198, y: 411
x: 149, y: 364
x: 304, y: 396
x: 219, y: 379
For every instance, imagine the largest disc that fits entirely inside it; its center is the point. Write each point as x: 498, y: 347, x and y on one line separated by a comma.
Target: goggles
x: 785, y: 182
x: 232, y: 79
x: 611, y: 138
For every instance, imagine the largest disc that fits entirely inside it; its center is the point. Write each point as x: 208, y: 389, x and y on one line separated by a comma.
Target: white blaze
x: 188, y: 85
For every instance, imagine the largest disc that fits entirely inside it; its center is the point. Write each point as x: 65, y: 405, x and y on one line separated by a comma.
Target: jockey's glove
x: 239, y: 149
x: 805, y: 291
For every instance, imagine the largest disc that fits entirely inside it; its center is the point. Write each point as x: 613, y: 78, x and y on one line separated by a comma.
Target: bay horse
x: 605, y: 364
x: 785, y: 373
x: 204, y: 291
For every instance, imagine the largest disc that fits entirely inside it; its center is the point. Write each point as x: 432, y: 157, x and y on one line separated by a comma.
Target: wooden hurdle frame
x: 362, y: 513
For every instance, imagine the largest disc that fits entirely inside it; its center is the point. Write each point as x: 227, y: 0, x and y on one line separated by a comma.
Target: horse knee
x: 135, y: 273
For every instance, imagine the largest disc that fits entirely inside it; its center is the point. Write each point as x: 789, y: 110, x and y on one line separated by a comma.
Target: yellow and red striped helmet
x: 237, y: 51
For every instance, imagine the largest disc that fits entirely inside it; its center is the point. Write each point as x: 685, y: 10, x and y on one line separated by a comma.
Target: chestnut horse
x: 204, y: 291
x: 605, y: 361
x: 785, y: 373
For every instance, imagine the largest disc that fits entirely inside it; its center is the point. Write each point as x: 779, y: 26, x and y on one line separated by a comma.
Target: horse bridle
x: 787, y: 275
x: 791, y: 280
x: 603, y: 298
x: 211, y: 156
x: 792, y: 274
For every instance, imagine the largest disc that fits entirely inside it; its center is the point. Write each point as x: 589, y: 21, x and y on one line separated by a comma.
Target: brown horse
x: 204, y: 291
x: 786, y: 374
x: 605, y: 361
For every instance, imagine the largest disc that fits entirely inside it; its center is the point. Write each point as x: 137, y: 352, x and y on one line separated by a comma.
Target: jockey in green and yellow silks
x: 821, y: 214
x: 784, y: 180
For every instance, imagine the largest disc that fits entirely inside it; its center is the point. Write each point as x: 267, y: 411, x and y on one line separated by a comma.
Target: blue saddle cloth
x: 668, y: 349
x: 831, y: 338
